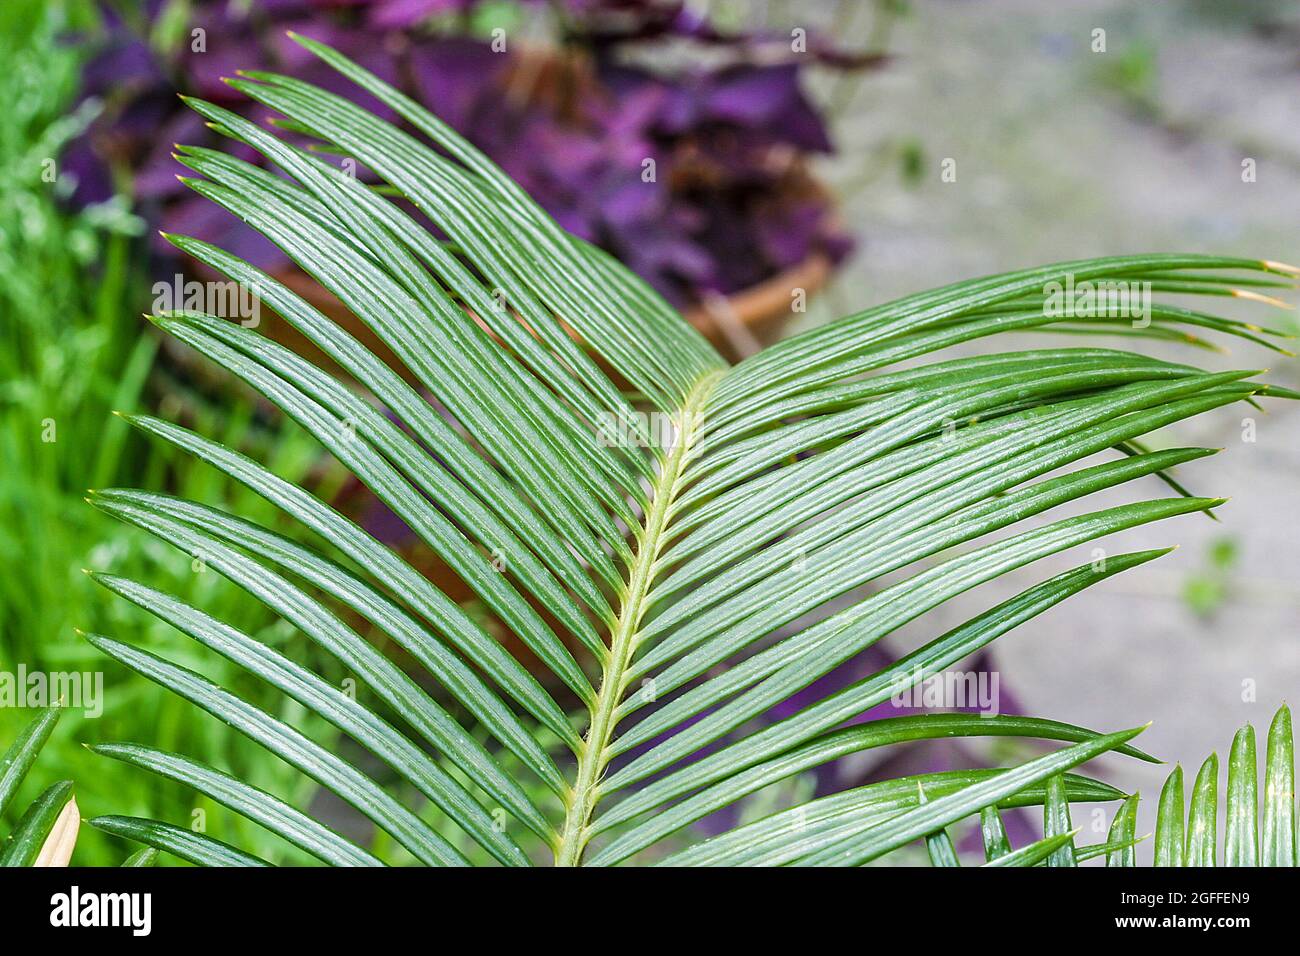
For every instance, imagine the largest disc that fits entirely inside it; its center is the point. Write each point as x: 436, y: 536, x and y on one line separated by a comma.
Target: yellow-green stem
x: 594, y: 757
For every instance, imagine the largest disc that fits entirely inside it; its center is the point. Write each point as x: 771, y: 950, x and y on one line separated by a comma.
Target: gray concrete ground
x: 1063, y: 152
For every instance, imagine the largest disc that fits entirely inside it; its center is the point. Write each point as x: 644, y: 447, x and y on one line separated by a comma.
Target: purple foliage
x: 728, y: 205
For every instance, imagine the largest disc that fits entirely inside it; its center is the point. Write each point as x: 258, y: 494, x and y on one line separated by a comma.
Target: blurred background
x: 791, y: 148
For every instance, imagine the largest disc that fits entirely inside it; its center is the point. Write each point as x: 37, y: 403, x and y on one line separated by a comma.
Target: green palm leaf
x: 664, y: 595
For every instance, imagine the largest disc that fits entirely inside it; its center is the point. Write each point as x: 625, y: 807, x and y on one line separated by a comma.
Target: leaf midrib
x: 623, y: 644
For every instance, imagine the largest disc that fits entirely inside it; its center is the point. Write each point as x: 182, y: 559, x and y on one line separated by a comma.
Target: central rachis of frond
x: 651, y: 538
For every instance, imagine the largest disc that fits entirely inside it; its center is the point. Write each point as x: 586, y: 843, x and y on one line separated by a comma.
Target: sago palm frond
x: 1188, y: 836
x: 657, y: 583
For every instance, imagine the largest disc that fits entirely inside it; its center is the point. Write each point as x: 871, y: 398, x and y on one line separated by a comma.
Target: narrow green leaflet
x: 938, y: 845
x: 993, y: 834
x: 1056, y: 822
x: 1278, y: 846
x: 195, y: 847
x: 1241, y: 839
x: 1123, y: 831
x: 1169, y: 821
x: 22, y: 753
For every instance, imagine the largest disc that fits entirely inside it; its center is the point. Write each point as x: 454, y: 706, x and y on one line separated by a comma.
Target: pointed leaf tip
x: 1260, y: 297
